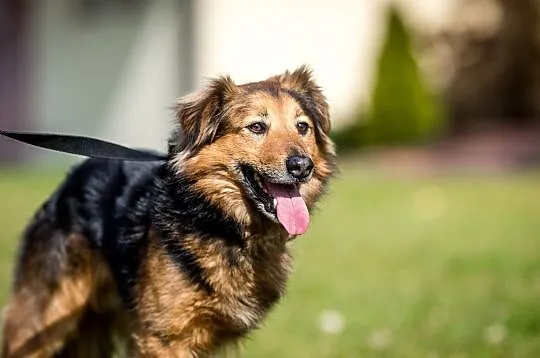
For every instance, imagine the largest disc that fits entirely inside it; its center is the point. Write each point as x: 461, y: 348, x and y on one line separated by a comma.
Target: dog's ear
x: 201, y: 114
x: 303, y: 88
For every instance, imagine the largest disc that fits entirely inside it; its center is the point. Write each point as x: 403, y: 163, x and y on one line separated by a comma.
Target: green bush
x: 402, y: 110
x: 350, y: 137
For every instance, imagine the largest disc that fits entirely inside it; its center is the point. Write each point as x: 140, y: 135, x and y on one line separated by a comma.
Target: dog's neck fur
x: 181, y: 211
x: 190, y: 211
x: 215, y: 252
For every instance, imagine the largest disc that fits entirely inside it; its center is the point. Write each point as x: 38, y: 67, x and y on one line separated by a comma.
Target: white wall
x: 340, y: 39
x: 140, y: 113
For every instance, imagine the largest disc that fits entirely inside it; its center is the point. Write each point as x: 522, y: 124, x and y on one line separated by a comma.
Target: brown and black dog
x: 182, y: 258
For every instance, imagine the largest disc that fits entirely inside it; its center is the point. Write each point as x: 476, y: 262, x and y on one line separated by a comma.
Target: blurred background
x: 428, y: 244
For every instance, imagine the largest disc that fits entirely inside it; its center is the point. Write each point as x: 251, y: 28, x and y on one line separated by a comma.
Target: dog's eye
x: 257, y: 127
x: 302, y: 127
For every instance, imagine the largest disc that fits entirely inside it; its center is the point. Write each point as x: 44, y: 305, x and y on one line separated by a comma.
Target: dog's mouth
x: 279, y: 200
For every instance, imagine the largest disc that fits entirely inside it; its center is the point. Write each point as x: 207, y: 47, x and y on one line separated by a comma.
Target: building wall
x: 78, y: 60
x: 113, y: 74
x: 340, y: 39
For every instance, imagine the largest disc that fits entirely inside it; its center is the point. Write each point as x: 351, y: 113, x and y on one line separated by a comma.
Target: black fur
x: 112, y: 203
x: 179, y: 210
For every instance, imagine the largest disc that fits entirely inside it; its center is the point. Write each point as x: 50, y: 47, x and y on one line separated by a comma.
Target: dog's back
x: 65, y: 299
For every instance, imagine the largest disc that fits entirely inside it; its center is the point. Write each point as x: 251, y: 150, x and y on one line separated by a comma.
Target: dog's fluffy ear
x: 201, y: 114
x: 302, y: 86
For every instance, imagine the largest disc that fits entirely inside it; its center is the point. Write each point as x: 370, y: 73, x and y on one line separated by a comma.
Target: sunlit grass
x: 391, y: 267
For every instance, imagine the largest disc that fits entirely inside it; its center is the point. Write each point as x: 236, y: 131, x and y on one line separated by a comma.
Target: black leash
x: 85, y: 146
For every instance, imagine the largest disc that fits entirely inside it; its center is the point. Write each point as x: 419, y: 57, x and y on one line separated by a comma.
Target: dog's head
x: 258, y: 150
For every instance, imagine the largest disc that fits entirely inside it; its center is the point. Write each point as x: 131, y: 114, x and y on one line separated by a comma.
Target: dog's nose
x: 299, y: 166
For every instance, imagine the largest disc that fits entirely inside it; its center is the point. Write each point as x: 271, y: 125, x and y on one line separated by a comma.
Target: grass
x: 395, y: 267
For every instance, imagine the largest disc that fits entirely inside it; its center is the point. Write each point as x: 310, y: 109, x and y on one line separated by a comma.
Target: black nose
x: 299, y: 166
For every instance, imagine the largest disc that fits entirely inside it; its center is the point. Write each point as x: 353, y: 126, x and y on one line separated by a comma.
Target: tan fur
x: 173, y: 316
x: 194, y: 320
x: 39, y: 319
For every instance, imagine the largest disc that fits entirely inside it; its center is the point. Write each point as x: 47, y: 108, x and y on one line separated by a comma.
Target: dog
x: 180, y: 258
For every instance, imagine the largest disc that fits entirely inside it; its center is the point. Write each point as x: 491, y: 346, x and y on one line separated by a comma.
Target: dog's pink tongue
x: 291, y: 209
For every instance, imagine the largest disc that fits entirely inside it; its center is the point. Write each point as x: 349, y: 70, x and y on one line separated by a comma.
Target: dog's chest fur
x: 238, y: 290
x: 201, y: 277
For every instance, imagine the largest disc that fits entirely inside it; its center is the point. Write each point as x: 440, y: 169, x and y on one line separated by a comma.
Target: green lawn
x: 434, y: 267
